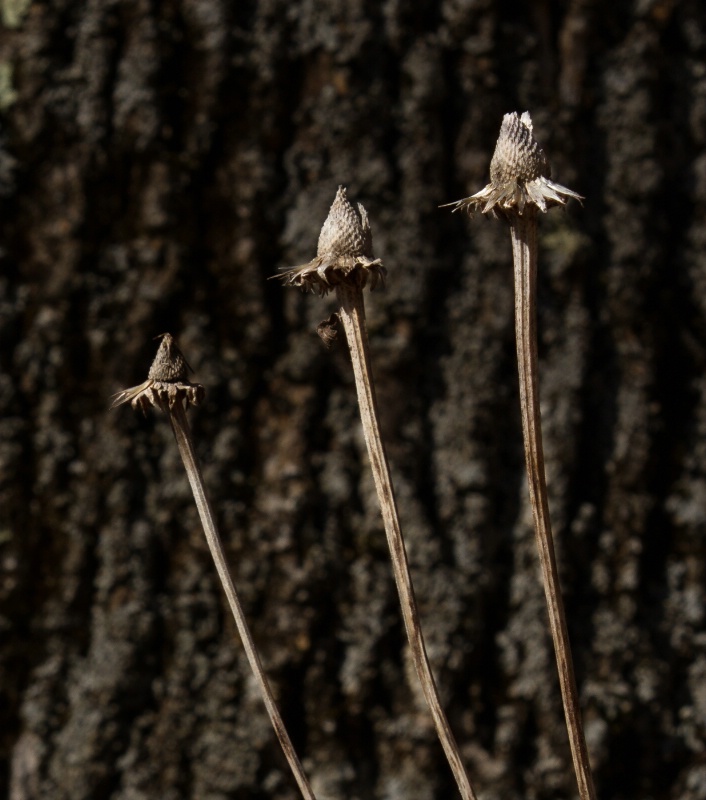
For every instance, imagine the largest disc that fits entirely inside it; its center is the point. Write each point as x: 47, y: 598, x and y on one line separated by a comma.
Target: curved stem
x: 182, y: 433
x: 352, y: 314
x: 524, y: 252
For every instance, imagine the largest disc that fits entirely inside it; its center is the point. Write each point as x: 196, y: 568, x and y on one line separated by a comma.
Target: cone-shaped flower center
x: 518, y: 156
x: 169, y: 364
x: 346, y: 231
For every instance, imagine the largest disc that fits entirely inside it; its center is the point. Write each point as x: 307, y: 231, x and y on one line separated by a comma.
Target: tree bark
x: 158, y: 161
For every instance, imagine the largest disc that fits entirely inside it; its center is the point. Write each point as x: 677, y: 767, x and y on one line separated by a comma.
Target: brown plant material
x: 168, y: 389
x: 345, y: 261
x: 519, y: 175
x: 328, y: 330
x: 519, y: 187
x: 344, y: 253
x: 166, y: 383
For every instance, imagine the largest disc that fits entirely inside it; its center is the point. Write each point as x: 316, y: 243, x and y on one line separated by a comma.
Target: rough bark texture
x: 158, y: 161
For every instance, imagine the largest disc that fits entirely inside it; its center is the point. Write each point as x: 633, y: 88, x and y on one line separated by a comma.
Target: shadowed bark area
x: 158, y: 161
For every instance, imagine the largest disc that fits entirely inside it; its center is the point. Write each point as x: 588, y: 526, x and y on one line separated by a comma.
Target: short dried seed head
x: 169, y: 364
x: 519, y: 174
x: 166, y: 383
x: 344, y: 252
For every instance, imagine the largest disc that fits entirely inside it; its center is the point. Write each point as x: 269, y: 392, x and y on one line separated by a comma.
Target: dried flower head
x: 344, y: 254
x: 166, y: 383
x: 519, y: 174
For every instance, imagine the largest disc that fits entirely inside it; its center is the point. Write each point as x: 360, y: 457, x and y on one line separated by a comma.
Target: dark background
x: 158, y: 161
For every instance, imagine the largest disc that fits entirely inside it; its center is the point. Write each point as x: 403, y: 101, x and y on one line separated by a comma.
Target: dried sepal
x: 344, y: 254
x: 166, y: 383
x: 519, y: 175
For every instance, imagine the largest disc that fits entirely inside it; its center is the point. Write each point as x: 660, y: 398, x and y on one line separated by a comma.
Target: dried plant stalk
x: 352, y: 315
x: 345, y: 262
x: 524, y: 245
x: 168, y: 389
x: 519, y: 187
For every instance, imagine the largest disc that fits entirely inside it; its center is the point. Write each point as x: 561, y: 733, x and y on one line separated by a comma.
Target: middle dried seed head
x: 344, y: 253
x: 346, y: 231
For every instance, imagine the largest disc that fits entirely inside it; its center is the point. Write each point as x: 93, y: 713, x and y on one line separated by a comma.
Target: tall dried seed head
x: 519, y: 175
x: 518, y: 156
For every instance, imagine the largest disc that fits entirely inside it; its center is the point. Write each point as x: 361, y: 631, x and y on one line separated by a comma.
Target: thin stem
x: 182, y: 433
x: 524, y: 251
x: 352, y: 314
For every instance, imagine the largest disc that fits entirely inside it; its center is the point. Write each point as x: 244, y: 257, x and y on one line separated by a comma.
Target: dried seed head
x: 344, y: 253
x: 518, y: 156
x: 166, y: 383
x: 519, y: 174
x: 169, y: 364
x: 346, y: 231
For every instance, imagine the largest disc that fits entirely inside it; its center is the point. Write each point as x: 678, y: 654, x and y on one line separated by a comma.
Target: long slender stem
x: 524, y: 251
x: 182, y: 433
x: 352, y: 314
